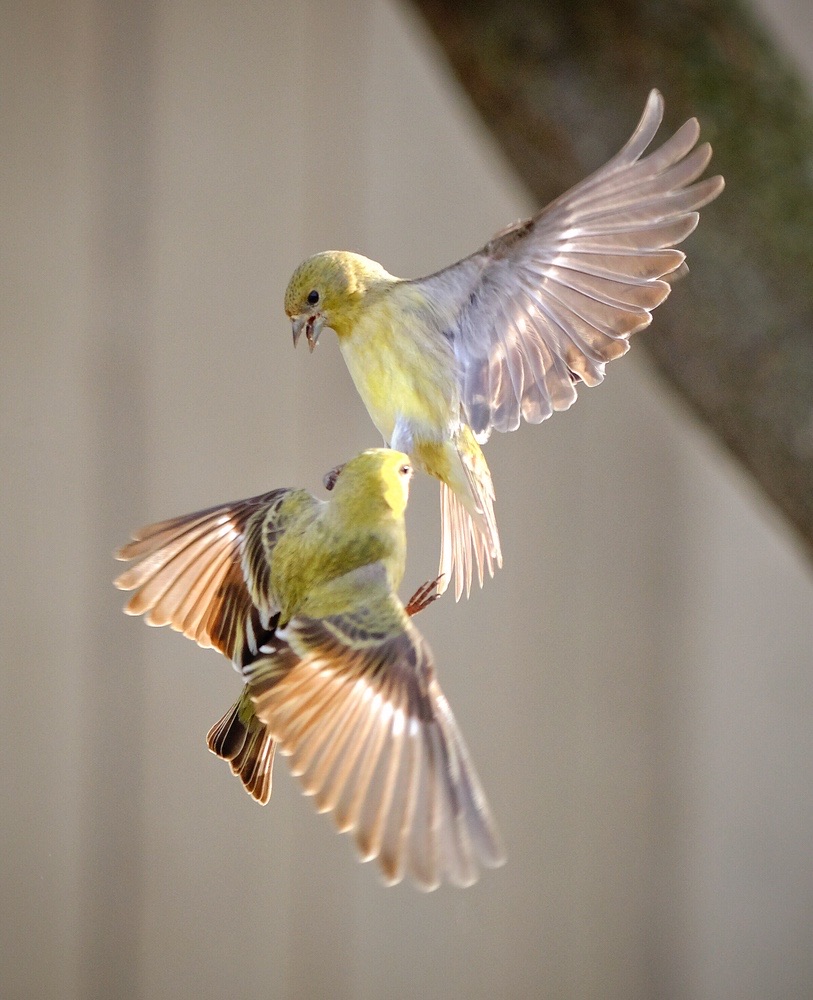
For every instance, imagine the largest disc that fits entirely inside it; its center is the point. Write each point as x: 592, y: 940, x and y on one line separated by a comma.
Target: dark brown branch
x: 561, y: 85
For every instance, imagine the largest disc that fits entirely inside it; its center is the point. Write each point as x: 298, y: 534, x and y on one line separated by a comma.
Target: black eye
x: 405, y: 470
x: 313, y: 297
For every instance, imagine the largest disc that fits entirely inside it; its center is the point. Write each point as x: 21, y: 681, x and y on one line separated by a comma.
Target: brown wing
x: 189, y: 575
x: 355, y: 704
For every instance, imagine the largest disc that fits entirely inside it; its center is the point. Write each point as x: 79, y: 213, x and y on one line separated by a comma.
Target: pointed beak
x: 312, y: 325
x: 297, y: 323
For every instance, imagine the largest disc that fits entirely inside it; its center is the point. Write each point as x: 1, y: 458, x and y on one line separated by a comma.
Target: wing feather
x: 189, y: 575
x: 353, y: 701
x: 548, y: 302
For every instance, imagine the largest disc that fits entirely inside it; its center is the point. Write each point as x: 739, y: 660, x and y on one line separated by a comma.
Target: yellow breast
x: 402, y: 368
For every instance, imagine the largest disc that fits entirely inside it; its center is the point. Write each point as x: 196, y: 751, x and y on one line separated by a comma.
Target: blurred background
x: 635, y: 686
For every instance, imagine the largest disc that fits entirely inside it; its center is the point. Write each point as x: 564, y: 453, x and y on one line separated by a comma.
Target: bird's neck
x: 368, y: 291
x: 375, y: 535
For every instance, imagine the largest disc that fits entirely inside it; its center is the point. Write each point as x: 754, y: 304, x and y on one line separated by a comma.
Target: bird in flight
x: 510, y: 331
x: 300, y: 593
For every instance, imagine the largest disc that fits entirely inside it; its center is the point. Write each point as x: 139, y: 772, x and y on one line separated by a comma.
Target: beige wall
x: 635, y: 686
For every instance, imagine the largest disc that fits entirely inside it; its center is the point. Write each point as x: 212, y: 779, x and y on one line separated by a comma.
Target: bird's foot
x: 423, y: 596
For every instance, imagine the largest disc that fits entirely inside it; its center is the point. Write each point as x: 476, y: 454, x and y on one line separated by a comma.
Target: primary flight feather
x: 508, y: 332
x: 300, y: 594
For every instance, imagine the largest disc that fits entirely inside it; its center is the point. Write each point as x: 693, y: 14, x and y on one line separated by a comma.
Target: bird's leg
x: 403, y: 437
x: 423, y: 596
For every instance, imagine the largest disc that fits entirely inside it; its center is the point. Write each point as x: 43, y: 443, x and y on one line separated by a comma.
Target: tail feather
x: 240, y: 738
x: 469, y: 535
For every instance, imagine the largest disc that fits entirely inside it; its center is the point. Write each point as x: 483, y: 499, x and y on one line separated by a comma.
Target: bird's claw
x: 425, y: 595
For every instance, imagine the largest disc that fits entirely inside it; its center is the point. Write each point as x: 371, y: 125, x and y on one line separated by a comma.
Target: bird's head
x: 327, y: 290
x: 374, y: 475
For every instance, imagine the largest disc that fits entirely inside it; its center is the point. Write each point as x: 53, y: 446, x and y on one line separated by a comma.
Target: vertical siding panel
x: 223, y: 422
x: 55, y: 859
x: 436, y: 191
x: 114, y: 744
x: 331, y: 426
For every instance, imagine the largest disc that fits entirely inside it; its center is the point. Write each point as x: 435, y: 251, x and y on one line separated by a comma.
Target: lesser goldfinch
x: 508, y: 332
x: 301, y: 594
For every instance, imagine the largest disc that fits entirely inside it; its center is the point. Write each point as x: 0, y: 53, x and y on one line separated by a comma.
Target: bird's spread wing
x: 246, y: 743
x: 354, y: 702
x: 549, y: 301
x: 190, y: 575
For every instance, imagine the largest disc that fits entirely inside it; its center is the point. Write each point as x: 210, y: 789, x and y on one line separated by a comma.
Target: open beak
x: 312, y: 325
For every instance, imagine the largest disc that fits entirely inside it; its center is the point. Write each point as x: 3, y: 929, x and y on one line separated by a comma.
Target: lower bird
x: 510, y: 331
x: 300, y: 593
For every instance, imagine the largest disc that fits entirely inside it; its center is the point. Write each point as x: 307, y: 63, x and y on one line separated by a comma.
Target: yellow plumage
x: 300, y: 594
x: 409, y: 388
x: 507, y: 333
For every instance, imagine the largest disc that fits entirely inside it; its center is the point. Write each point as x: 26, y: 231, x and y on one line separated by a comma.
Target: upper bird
x: 300, y: 594
x: 509, y: 331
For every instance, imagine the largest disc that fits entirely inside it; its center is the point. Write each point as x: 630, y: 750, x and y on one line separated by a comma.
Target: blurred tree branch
x: 561, y: 85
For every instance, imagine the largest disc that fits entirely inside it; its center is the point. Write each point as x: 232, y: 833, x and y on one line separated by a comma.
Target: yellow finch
x: 508, y: 332
x: 300, y: 594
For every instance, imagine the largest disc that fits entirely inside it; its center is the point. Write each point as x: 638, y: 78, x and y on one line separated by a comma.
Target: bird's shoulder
x: 278, y: 539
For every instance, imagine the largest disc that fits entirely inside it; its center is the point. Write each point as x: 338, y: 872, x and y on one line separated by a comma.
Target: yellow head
x: 373, y: 482
x: 327, y: 290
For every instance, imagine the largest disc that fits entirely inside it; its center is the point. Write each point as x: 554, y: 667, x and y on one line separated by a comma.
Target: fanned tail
x: 469, y: 536
x: 246, y: 743
x: 465, y: 544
